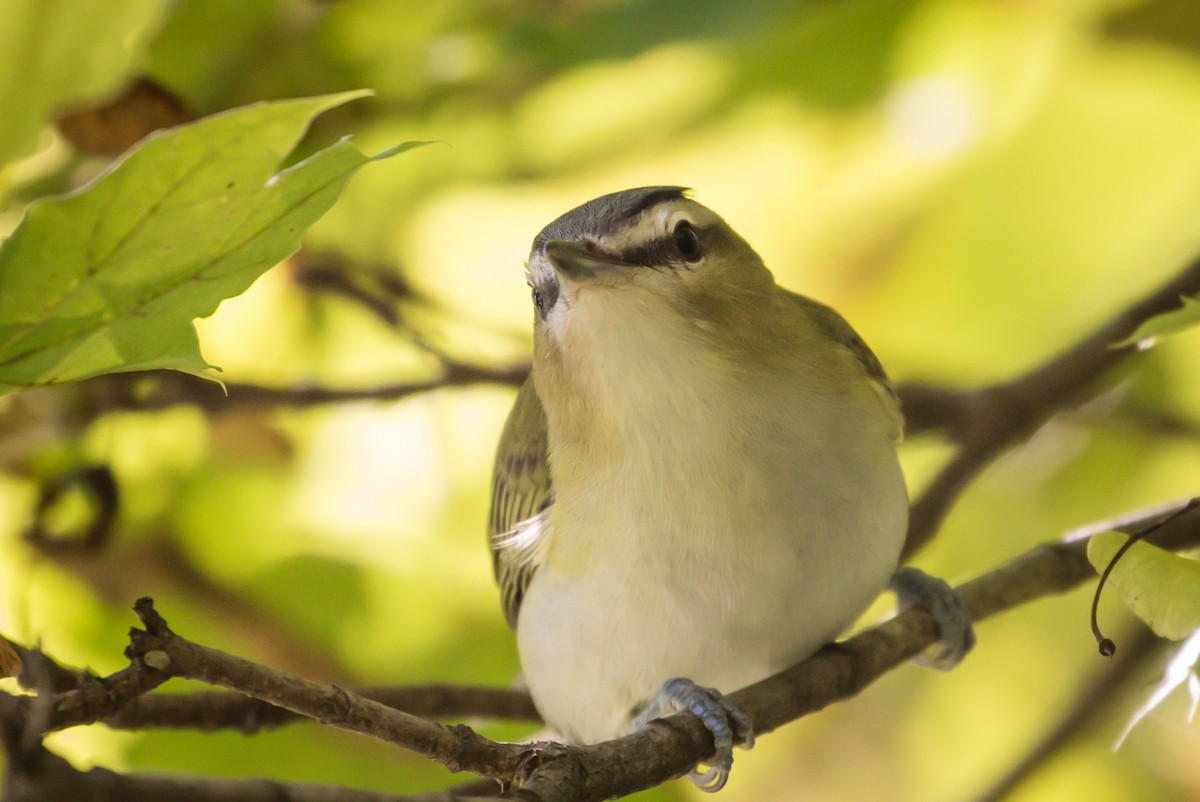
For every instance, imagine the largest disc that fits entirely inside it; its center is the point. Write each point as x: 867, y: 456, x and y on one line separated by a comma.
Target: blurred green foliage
x: 56, y: 52
x: 973, y: 183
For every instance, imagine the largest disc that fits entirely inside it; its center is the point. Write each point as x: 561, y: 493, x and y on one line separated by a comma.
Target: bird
x: 697, y: 486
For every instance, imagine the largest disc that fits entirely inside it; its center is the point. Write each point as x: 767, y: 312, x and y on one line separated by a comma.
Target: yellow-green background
x: 973, y: 183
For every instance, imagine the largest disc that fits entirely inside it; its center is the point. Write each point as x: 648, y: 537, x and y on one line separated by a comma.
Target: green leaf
x: 1159, y: 587
x: 1167, y: 323
x: 56, y: 52
x: 110, y: 278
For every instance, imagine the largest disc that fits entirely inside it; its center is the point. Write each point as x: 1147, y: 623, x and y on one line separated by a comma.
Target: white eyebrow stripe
x: 676, y: 217
x: 657, y: 225
x: 646, y: 229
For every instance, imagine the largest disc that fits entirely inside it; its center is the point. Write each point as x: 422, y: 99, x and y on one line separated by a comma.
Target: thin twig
x: 158, y: 650
x: 161, y: 389
x: 49, y: 778
x: 98, y: 698
x: 209, y: 711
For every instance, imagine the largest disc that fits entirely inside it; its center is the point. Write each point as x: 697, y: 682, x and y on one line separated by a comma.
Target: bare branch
x: 161, y: 389
x: 379, y: 288
x: 160, y: 651
x: 97, y: 698
x: 209, y: 711
x: 988, y: 421
x: 839, y: 671
x: 46, y: 777
x: 557, y: 773
x: 216, y: 710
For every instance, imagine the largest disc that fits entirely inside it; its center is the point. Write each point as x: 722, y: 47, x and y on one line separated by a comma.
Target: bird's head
x: 646, y: 270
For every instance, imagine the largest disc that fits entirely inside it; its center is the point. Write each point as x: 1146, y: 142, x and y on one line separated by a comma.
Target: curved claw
x: 720, y: 717
x: 914, y: 587
x: 712, y: 780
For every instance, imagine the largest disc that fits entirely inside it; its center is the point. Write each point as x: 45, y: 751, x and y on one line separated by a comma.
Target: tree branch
x: 95, y: 699
x: 46, y: 777
x: 115, y: 700
x: 648, y: 757
x: 987, y: 421
x: 672, y: 746
x: 157, y: 650
x: 160, y: 389
x: 209, y: 711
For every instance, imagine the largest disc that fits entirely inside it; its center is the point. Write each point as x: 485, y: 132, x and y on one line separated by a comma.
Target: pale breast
x: 722, y: 550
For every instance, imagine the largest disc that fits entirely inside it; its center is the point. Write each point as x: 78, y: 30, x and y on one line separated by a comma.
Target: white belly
x: 722, y: 571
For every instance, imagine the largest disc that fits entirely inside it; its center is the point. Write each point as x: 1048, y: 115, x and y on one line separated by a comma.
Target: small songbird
x: 698, y: 485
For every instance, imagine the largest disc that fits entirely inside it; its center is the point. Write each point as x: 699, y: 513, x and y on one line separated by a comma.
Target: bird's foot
x: 915, y: 588
x: 721, y: 718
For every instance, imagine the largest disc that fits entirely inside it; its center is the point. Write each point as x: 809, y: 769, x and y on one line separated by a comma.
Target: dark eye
x: 687, y: 241
x: 544, y: 297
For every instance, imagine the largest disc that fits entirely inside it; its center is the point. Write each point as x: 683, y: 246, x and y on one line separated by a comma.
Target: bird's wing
x: 838, y: 330
x: 522, y: 498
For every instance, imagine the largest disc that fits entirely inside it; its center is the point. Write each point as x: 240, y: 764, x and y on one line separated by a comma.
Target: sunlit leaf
x: 110, y: 278
x: 1161, y: 588
x: 56, y: 52
x: 1172, y: 322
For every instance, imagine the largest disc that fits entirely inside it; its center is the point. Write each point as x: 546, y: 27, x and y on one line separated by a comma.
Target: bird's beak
x: 574, y: 262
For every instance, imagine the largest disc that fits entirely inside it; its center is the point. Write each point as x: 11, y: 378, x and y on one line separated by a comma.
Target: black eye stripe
x: 662, y: 251
x: 655, y: 253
